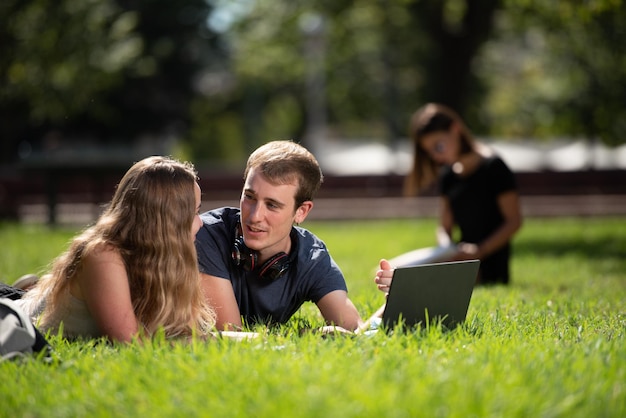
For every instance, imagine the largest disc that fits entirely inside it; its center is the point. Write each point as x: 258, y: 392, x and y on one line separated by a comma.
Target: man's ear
x: 303, y: 211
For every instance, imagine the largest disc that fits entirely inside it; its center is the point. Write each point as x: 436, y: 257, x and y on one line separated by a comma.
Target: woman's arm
x: 446, y: 223
x: 102, y: 283
x: 510, y: 207
x: 220, y: 295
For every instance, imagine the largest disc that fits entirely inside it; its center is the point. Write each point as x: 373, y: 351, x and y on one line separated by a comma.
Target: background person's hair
x: 149, y: 221
x: 286, y: 162
x: 432, y: 117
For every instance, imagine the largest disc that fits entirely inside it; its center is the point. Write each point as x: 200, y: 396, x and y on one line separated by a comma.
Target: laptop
x: 430, y: 292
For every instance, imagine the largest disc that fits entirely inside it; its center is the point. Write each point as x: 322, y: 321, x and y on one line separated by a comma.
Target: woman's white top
x: 72, y: 313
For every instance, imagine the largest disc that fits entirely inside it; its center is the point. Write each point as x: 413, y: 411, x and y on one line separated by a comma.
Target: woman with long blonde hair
x: 135, y: 271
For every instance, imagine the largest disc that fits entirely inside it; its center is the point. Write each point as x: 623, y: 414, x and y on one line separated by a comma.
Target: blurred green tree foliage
x: 118, y: 69
x: 103, y: 71
x: 514, y: 68
x: 558, y: 68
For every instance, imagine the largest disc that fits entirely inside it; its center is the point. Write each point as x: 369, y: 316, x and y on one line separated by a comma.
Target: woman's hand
x: 467, y: 251
x: 383, y: 276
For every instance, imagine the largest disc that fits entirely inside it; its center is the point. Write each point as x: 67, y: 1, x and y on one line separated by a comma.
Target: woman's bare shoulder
x: 104, y: 253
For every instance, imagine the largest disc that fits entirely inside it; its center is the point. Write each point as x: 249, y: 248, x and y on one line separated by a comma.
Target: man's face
x: 267, y: 214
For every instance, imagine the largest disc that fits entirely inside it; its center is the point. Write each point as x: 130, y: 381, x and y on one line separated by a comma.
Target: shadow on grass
x: 601, y: 254
x: 593, y: 248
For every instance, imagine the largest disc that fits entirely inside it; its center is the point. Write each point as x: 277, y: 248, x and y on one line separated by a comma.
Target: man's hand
x: 384, y: 276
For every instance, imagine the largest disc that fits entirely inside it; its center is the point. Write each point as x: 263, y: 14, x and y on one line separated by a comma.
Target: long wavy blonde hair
x: 149, y: 221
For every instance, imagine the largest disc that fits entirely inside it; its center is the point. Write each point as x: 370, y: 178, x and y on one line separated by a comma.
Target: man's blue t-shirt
x: 312, y: 272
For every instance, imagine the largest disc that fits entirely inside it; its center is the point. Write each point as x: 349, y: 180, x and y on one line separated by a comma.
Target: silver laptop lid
x: 439, y: 292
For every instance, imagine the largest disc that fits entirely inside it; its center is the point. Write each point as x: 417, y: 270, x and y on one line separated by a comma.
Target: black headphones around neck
x: 272, y: 269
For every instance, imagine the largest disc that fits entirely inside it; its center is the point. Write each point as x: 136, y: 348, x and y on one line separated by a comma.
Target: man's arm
x: 219, y: 293
x: 337, y: 309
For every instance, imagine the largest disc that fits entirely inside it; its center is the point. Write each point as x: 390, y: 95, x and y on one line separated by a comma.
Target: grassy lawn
x: 552, y: 344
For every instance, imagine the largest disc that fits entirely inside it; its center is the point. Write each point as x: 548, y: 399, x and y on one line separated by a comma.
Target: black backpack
x: 18, y: 336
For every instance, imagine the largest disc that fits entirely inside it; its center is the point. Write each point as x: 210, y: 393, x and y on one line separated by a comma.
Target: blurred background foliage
x: 215, y: 78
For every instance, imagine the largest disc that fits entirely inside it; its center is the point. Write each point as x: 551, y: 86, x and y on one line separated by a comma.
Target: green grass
x: 552, y: 344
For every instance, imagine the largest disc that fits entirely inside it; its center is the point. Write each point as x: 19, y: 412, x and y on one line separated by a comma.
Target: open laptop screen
x: 430, y: 292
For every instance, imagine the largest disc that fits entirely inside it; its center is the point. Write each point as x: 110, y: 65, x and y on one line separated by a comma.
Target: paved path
x: 532, y: 206
x: 375, y: 208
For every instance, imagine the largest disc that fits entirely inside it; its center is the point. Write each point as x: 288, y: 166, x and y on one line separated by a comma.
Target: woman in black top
x: 478, y: 191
